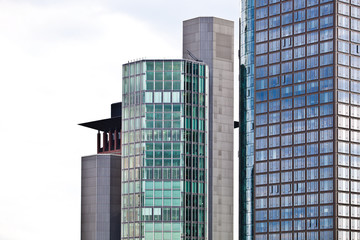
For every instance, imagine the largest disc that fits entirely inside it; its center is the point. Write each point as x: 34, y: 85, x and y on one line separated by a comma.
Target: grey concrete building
x: 100, y: 197
x: 211, y: 40
x: 101, y: 181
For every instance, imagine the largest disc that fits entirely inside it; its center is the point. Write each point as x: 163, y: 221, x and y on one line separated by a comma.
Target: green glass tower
x: 164, y: 150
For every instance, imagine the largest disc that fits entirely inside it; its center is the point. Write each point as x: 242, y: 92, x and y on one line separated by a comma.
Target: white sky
x: 60, y: 65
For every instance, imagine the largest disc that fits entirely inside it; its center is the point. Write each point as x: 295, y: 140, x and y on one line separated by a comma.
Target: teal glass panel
x: 177, y: 66
x: 159, y: 66
x: 168, y: 85
x: 149, y: 85
x: 176, y: 75
x: 158, y: 185
x: 168, y: 66
x: 176, y: 85
x: 158, y: 108
x: 149, y: 65
x: 159, y: 76
x: 149, y: 75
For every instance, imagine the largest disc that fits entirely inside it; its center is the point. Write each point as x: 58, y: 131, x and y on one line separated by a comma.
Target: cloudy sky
x: 60, y: 65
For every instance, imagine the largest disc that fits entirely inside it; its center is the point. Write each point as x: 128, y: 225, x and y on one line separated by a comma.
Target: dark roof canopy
x: 104, y: 124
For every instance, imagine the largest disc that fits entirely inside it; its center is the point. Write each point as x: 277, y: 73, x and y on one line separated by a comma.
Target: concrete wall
x: 100, y: 197
x: 212, y: 41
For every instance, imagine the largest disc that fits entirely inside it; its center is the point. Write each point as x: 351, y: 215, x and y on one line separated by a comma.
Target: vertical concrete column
x: 116, y: 139
x: 105, y: 141
x: 111, y: 140
x: 98, y: 142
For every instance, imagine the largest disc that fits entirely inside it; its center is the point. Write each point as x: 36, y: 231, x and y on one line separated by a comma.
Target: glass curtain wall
x: 348, y: 120
x: 164, y: 150
x: 246, y: 137
x: 294, y: 119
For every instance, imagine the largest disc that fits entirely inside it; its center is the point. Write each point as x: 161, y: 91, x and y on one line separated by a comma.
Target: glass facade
x: 164, y: 150
x: 348, y: 119
x: 246, y: 138
x: 294, y: 120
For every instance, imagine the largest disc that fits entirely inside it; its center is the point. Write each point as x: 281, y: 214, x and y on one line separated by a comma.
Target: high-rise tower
x: 165, y: 150
x: 211, y: 40
x: 300, y: 72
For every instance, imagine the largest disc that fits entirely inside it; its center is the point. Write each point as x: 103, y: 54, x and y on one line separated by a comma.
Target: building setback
x: 300, y: 73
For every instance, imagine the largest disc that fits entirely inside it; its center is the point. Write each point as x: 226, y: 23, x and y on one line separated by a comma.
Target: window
x: 274, y: 93
x: 286, y: 67
x: 326, y: 84
x: 274, y: 46
x: 261, y: 12
x: 261, y: 48
x: 326, y: 97
x: 343, y: 47
x: 326, y: 9
x: 274, y: 9
x: 312, y: 2
x: 355, y: 11
x: 274, y: 57
x: 274, y: 21
x: 343, y: 59
x: 312, y: 37
x: 343, y: 21
x: 286, y: 31
x: 326, y: 59
x: 326, y: 34
x: 343, y: 71
x: 312, y: 62
x: 299, y: 4
x: 286, y: 55
x: 261, y: 3
x: 355, y: 37
x: 343, y: 9
x: 326, y: 22
x: 274, y: 69
x: 261, y: 72
x: 274, y: 82
x: 312, y: 12
x: 299, y: 52
x: 261, y: 25
x: 286, y: 18
x: 312, y: 99
x: 312, y: 25
x: 299, y: 89
x: 287, y: 6
x: 299, y: 15
x: 343, y: 34
x: 299, y: 138
x: 312, y: 49
x: 261, y: 84
x: 299, y: 40
x: 274, y: 106
x: 299, y: 77
x: 262, y: 36
x: 299, y: 65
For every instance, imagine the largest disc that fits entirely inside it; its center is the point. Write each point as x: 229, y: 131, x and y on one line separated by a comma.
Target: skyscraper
x: 211, y: 40
x: 165, y: 150
x: 299, y: 71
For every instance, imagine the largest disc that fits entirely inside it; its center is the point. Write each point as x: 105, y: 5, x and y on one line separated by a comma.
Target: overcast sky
x: 60, y: 65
